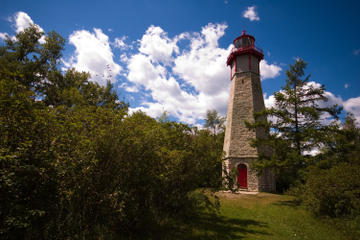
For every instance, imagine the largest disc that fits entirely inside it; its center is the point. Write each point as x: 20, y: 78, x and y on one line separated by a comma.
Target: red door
x: 242, y: 177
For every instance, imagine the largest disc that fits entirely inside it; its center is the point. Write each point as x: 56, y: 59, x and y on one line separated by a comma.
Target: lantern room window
x: 244, y: 42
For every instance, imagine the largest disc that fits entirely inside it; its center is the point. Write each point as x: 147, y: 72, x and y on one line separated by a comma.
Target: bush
x: 75, y: 165
x: 334, y: 192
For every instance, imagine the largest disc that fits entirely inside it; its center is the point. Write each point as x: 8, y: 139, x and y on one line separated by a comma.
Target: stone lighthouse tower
x: 246, y: 98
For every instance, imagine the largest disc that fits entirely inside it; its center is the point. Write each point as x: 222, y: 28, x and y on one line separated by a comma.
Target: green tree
x: 34, y: 144
x: 75, y: 165
x: 332, y: 184
x: 214, y: 121
x: 294, y: 124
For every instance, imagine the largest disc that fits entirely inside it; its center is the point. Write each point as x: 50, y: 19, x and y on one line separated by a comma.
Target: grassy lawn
x: 261, y: 216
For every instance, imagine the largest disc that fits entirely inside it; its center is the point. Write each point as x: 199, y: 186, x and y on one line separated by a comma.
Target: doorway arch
x: 242, y: 176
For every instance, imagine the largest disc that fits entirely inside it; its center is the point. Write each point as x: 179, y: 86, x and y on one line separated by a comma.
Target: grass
x: 261, y: 216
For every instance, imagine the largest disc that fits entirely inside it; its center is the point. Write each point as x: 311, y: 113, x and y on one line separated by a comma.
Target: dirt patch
x: 243, y: 194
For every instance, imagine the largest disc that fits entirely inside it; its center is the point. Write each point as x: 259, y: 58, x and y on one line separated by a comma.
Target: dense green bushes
x: 75, y: 165
x: 334, y: 192
x: 332, y: 183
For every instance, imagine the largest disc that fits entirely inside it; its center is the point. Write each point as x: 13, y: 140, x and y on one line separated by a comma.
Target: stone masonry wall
x: 245, y: 99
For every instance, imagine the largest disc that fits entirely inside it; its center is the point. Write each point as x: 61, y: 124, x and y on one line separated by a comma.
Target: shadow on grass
x: 289, y: 203
x: 212, y: 226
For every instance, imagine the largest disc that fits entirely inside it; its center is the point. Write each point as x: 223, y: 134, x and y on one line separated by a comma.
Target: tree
x: 40, y: 131
x: 75, y: 165
x: 214, y: 121
x: 294, y: 125
x: 332, y: 185
x: 26, y: 55
x: 340, y: 144
x: 298, y: 111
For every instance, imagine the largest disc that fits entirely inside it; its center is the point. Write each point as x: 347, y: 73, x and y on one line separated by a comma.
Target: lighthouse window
x: 245, y: 42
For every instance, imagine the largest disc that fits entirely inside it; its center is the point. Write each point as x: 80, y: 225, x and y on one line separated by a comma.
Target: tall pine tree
x: 295, y: 126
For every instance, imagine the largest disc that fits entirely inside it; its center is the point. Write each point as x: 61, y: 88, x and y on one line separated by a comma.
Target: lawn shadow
x: 213, y: 226
x: 288, y: 203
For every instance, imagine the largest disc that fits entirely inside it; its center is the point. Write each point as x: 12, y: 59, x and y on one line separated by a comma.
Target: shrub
x: 334, y: 192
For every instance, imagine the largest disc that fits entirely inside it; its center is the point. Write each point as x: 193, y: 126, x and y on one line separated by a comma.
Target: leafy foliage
x: 332, y: 184
x: 334, y: 192
x: 75, y: 165
x: 214, y: 121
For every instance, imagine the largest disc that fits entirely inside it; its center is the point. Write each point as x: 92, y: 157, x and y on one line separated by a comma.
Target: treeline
x: 316, y: 156
x: 75, y: 165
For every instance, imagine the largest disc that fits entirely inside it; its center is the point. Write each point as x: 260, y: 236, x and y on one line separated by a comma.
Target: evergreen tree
x: 294, y: 125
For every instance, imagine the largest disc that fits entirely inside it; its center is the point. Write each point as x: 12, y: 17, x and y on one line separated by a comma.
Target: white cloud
x: 212, y: 33
x: 269, y: 70
x: 204, y: 65
x: 130, y: 89
x: 269, y: 101
x: 353, y: 105
x: 120, y: 43
x: 124, y: 58
x: 185, y: 81
x: 21, y: 20
x: 94, y: 55
x: 156, y: 44
x: 350, y: 105
x: 3, y: 35
x: 165, y: 91
x: 251, y: 14
x: 142, y: 71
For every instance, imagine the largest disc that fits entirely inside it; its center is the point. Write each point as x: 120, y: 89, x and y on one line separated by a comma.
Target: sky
x: 171, y: 55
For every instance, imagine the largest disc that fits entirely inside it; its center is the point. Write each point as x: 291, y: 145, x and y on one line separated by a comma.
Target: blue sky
x: 170, y: 55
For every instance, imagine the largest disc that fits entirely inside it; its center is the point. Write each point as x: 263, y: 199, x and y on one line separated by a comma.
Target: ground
x: 263, y: 216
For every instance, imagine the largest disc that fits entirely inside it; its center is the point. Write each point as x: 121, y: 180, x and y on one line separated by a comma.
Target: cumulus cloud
x: 156, y: 44
x: 21, y: 21
x: 166, y: 92
x: 269, y: 70
x: 269, y: 101
x: 204, y: 65
x: 185, y: 81
x: 350, y: 105
x: 94, y: 55
x: 353, y: 105
x: 251, y: 14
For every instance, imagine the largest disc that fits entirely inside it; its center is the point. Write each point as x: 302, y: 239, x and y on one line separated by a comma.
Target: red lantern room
x: 245, y: 56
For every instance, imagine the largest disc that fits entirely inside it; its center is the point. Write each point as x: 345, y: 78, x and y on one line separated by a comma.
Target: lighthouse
x: 246, y: 98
